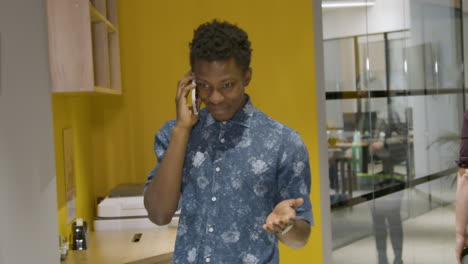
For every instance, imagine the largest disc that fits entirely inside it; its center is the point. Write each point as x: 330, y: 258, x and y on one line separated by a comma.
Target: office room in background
x: 380, y: 100
x: 395, y: 97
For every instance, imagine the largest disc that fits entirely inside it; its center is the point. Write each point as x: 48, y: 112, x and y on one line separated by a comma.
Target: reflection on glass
x: 372, y: 62
x: 338, y: 65
x: 387, y: 223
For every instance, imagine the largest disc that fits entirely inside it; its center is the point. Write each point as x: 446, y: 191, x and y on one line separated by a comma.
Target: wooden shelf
x: 97, y: 17
x: 84, y: 47
x: 107, y: 90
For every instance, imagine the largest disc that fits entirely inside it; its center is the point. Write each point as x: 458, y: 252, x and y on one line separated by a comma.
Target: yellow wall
x: 154, y: 45
x: 74, y: 112
x: 154, y: 37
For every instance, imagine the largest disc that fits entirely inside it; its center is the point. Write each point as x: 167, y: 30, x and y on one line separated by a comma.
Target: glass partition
x: 395, y: 100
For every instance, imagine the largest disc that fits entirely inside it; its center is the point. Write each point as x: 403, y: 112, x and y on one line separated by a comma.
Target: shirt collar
x: 241, y: 117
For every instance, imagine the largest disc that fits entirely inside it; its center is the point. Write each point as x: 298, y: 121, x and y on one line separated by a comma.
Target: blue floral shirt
x: 235, y: 173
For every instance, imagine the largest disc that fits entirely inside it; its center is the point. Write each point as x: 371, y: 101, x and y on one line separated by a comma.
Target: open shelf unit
x: 84, y: 47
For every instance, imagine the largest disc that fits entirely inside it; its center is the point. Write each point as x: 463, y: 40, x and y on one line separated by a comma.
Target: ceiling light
x: 339, y: 4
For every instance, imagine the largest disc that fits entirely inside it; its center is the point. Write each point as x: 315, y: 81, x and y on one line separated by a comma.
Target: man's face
x: 220, y: 86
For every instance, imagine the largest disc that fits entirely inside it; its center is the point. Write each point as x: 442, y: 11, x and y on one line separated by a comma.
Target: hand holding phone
x: 186, y: 117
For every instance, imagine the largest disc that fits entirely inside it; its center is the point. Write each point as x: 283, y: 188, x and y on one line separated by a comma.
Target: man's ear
x: 247, y: 76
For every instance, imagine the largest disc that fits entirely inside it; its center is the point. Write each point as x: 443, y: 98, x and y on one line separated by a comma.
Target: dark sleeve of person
x: 463, y: 157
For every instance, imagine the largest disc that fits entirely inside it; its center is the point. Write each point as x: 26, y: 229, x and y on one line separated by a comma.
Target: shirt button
x: 222, y: 140
x: 210, y: 230
x: 213, y: 199
x: 218, y: 169
x: 224, y: 122
x: 208, y: 260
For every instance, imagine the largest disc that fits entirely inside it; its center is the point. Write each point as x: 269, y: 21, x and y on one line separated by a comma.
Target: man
x: 243, y: 179
x: 392, y: 149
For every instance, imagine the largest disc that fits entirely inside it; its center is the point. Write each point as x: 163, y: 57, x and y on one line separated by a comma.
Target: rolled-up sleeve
x: 161, y: 143
x: 294, y: 174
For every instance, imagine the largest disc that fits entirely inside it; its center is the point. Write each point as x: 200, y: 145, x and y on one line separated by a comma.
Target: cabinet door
x: 70, y: 46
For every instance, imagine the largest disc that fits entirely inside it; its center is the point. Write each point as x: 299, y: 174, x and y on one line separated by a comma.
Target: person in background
x: 391, y: 148
x: 243, y: 179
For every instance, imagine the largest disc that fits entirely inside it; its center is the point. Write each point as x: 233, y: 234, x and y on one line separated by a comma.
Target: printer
x: 123, y: 209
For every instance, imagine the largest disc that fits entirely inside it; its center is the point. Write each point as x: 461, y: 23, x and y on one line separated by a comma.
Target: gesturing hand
x: 283, y: 215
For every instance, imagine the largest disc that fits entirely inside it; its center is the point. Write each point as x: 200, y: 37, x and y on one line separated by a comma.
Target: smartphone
x: 195, y: 108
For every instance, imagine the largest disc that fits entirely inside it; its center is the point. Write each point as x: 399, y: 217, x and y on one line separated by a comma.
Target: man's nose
x: 216, y: 97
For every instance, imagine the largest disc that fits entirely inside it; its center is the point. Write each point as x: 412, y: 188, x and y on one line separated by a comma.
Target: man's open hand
x: 283, y: 215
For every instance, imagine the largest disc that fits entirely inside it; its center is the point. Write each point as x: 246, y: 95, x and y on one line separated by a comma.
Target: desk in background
x: 116, y: 247
x: 365, y: 152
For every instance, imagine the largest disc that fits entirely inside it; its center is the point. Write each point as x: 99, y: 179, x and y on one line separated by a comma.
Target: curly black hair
x: 217, y: 40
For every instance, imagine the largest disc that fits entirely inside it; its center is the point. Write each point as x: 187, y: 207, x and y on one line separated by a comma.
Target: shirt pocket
x: 253, y: 178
